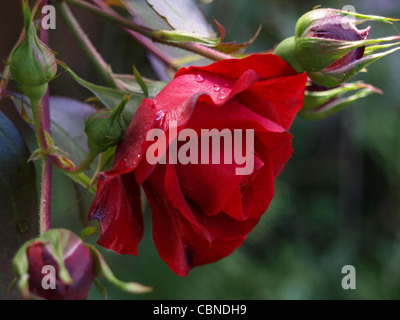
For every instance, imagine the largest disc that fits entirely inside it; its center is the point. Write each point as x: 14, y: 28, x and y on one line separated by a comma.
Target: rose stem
x: 81, y: 37
x: 47, y: 161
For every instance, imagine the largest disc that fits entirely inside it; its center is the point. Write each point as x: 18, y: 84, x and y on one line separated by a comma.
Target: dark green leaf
x: 18, y: 200
x: 110, y: 97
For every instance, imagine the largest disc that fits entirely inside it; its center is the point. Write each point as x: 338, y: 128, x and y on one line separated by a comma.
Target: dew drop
x: 216, y: 88
x: 226, y: 84
x: 136, y: 160
x: 221, y: 96
x: 159, y: 115
x: 199, y: 78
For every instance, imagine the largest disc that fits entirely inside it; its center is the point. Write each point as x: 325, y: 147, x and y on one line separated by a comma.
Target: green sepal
x: 141, y: 82
x: 335, y: 77
x: 103, y: 270
x: 322, y: 104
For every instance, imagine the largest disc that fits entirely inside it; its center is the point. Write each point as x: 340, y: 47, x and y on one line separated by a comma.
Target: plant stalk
x: 42, y: 125
x: 81, y: 37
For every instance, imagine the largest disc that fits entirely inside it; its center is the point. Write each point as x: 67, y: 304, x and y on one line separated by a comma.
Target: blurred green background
x: 336, y: 203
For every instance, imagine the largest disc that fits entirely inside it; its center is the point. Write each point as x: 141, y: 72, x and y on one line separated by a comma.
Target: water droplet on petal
x: 159, y: 115
x: 137, y: 159
x: 226, y: 85
x: 199, y: 78
x: 221, y: 96
x: 216, y: 88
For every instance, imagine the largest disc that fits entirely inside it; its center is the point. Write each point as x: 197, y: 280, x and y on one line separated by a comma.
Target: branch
x: 91, y: 52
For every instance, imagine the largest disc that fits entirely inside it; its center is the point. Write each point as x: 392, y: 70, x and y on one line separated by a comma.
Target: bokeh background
x: 336, y: 203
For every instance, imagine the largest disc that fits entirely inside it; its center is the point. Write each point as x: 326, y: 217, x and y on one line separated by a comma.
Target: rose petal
x: 277, y: 99
x: 178, y: 244
x: 117, y: 206
x: 268, y: 66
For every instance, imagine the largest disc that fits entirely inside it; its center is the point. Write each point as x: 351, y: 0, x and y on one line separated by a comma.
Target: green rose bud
x: 106, y: 128
x: 32, y: 63
x: 328, y: 46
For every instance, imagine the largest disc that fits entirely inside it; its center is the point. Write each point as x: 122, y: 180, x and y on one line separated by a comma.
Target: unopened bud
x: 55, y: 266
x: 106, y: 128
x: 32, y: 63
x: 330, y: 48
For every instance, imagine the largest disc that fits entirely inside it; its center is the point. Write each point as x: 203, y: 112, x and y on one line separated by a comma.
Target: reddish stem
x: 47, y: 169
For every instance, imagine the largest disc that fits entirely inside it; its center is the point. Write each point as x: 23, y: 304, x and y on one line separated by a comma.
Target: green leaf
x: 183, y: 15
x: 18, y: 200
x: 110, y: 97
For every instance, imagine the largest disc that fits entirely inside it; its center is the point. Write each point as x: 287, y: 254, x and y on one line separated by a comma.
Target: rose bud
x: 201, y: 210
x: 321, y: 102
x: 56, y: 266
x: 32, y: 63
x: 329, y: 47
x: 106, y: 128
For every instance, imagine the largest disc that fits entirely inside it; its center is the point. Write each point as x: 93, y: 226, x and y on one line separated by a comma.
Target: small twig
x: 81, y: 37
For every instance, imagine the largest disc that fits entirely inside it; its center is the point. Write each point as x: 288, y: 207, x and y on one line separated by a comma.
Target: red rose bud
x: 55, y: 266
x: 330, y: 48
x: 105, y: 129
x: 32, y: 63
x: 201, y: 211
x: 321, y: 102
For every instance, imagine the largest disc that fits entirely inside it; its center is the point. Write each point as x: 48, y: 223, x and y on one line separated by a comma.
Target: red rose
x: 201, y: 212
